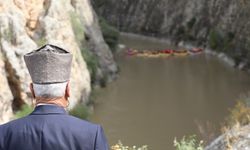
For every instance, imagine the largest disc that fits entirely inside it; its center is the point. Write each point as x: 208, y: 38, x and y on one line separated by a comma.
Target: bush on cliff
x: 24, y: 111
x: 215, y: 39
x: 78, y: 28
x: 221, y: 41
x: 91, y: 62
x: 90, y: 59
x: 110, y: 34
x: 80, y: 111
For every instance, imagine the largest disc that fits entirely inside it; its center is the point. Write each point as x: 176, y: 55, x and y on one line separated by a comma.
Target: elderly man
x: 49, y: 127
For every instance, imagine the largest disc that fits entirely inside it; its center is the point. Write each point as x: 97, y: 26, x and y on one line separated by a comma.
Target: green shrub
x: 80, y: 111
x: 24, y: 111
x: 89, y: 58
x: 91, y: 61
x: 8, y: 35
x: 189, y: 143
x: 41, y: 41
x: 110, y: 34
x: 215, y: 39
x: 220, y: 41
x: 78, y: 28
x: 120, y: 146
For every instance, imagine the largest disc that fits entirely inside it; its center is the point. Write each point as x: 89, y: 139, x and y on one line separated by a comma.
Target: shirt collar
x: 48, y: 109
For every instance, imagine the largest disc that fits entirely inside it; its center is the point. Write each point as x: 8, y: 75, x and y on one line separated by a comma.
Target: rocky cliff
x: 26, y: 25
x: 221, y: 25
x: 237, y: 138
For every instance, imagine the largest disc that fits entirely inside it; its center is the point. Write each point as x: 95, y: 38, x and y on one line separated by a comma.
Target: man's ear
x: 32, y: 90
x: 67, y: 91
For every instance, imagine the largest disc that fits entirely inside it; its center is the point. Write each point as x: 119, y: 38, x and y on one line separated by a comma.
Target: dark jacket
x: 49, y: 127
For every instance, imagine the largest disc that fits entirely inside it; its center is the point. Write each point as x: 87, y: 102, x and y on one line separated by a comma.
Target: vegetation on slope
x: 188, y: 143
x: 120, y: 146
x: 24, y: 111
x: 110, y: 34
x: 90, y: 58
x: 239, y: 114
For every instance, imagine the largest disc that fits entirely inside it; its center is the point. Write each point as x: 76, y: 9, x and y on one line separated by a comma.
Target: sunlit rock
x: 26, y: 25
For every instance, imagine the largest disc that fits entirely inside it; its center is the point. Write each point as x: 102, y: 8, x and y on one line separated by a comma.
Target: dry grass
x: 239, y: 117
x: 207, y: 131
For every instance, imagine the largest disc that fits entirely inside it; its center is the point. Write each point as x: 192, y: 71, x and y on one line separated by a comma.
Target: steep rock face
x: 235, y: 139
x: 95, y: 41
x: 222, y: 25
x: 5, y: 94
x: 15, y: 42
x: 56, y: 26
x: 26, y: 25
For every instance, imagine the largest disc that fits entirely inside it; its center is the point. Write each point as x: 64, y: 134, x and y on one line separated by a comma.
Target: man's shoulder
x: 14, y: 121
x: 77, y: 121
x: 62, y: 119
x: 73, y: 125
x: 63, y: 123
x: 12, y: 124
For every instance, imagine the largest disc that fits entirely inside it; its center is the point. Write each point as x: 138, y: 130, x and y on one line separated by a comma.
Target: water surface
x: 155, y: 100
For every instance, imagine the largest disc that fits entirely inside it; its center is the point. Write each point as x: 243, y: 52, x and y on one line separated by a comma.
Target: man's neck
x: 60, y: 101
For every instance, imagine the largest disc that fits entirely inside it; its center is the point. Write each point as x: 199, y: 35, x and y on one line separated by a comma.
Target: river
x: 155, y: 100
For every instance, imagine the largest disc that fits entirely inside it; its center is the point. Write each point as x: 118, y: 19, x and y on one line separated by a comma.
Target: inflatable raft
x: 163, y: 53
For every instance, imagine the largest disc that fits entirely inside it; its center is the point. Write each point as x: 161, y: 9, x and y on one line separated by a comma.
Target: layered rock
x: 95, y: 41
x: 15, y: 42
x: 222, y: 25
x: 26, y: 25
x: 235, y: 139
x: 5, y: 94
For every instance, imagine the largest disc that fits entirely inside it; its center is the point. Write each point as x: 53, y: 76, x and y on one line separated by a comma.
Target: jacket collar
x: 48, y: 109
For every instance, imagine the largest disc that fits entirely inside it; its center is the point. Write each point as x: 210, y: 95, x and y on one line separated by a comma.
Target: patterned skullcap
x: 49, y: 64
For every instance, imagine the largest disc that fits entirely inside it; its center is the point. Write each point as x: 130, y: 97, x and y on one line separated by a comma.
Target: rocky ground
x: 237, y: 138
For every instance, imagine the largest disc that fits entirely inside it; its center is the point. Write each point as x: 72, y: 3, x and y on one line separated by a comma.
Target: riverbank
x: 222, y: 56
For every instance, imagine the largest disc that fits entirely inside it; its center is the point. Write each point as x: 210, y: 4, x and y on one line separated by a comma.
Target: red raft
x: 167, y: 51
x: 196, y: 50
x: 131, y: 52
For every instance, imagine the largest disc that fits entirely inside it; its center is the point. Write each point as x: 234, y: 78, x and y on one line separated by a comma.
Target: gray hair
x: 50, y: 90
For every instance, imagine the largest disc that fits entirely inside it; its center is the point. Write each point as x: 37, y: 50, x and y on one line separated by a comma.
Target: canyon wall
x: 25, y: 25
x: 222, y: 25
